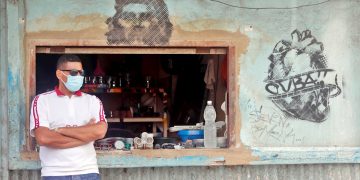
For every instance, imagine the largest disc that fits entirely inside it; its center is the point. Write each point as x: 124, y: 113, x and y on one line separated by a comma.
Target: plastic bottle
x: 210, y: 140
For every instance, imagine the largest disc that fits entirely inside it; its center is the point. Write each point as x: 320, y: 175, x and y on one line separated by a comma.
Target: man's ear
x: 59, y: 74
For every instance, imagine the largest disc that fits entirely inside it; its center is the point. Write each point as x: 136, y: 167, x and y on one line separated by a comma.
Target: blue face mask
x: 73, y: 83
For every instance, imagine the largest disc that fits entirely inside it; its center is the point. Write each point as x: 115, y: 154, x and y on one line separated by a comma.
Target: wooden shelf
x: 137, y: 119
x: 154, y: 120
x: 133, y: 90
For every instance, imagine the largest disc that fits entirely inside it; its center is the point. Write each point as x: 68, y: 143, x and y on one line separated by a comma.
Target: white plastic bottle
x: 210, y: 140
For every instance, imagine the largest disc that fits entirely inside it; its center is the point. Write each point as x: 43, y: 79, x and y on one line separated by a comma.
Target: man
x: 65, y: 122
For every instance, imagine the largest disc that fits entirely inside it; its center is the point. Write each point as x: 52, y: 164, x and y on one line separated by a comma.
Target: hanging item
x: 209, y: 77
x: 99, y: 71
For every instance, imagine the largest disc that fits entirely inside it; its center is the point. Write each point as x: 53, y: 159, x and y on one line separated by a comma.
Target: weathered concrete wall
x: 295, y: 68
x: 3, y: 91
x: 330, y: 121
x: 311, y: 39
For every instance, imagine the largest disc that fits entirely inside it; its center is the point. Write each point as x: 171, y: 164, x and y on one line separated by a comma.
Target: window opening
x: 160, y: 94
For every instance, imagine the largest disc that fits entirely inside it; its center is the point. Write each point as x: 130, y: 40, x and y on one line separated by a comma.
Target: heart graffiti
x: 298, y: 78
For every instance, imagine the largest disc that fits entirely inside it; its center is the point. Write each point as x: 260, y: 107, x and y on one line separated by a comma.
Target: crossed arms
x: 68, y: 137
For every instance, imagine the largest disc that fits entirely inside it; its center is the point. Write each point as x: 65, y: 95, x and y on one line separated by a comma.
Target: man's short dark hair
x: 67, y: 58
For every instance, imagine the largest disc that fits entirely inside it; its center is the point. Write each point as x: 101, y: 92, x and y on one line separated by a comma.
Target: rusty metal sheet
x: 266, y: 172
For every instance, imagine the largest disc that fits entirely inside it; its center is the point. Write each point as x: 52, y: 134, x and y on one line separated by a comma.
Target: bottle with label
x: 210, y: 140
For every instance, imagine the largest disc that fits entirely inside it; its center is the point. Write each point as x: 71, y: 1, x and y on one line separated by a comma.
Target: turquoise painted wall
x: 256, y: 28
x: 264, y: 124
x: 332, y: 23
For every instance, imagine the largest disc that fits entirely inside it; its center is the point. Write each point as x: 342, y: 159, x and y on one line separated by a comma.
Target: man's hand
x: 90, y: 132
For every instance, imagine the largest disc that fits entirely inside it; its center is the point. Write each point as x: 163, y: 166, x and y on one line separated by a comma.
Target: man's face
x: 66, y: 68
x: 136, y: 20
x: 139, y: 22
x: 136, y: 16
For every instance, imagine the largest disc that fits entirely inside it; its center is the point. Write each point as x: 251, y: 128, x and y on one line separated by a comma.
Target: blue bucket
x: 191, y: 134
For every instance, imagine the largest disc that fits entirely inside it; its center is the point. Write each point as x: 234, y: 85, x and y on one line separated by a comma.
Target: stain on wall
x: 297, y: 78
x: 139, y: 22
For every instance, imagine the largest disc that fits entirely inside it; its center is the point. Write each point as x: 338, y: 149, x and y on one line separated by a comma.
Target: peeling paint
x: 67, y: 23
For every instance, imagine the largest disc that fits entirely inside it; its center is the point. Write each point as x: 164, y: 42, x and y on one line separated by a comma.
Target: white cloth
x: 209, y: 77
x: 53, y: 110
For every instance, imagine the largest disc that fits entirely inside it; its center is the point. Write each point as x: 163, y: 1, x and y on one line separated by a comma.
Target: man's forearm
x: 66, y: 142
x: 49, y: 138
x: 87, y: 133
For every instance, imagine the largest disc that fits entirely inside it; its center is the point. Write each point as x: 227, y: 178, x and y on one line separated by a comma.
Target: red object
x: 98, y: 70
x: 224, y: 69
x: 35, y: 112
x: 59, y: 93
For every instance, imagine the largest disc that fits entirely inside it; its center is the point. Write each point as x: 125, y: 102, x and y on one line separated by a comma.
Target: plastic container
x: 221, y: 142
x: 162, y: 140
x: 210, y: 140
x: 190, y: 134
x: 199, y: 143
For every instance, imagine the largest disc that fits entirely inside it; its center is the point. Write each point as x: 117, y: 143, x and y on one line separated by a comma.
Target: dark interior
x: 180, y: 76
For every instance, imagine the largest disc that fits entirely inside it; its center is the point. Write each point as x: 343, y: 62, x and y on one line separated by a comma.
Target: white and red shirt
x: 53, y: 110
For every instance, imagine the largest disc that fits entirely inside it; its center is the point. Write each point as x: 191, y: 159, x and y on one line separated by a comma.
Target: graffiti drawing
x: 268, y: 126
x: 298, y: 78
x: 139, y: 22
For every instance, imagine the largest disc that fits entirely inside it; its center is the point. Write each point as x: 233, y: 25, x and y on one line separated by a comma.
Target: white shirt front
x: 53, y: 110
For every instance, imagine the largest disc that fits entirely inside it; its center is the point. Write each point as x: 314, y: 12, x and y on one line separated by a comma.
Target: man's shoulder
x: 88, y: 96
x: 43, y: 97
x: 46, y: 94
x: 91, y: 97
